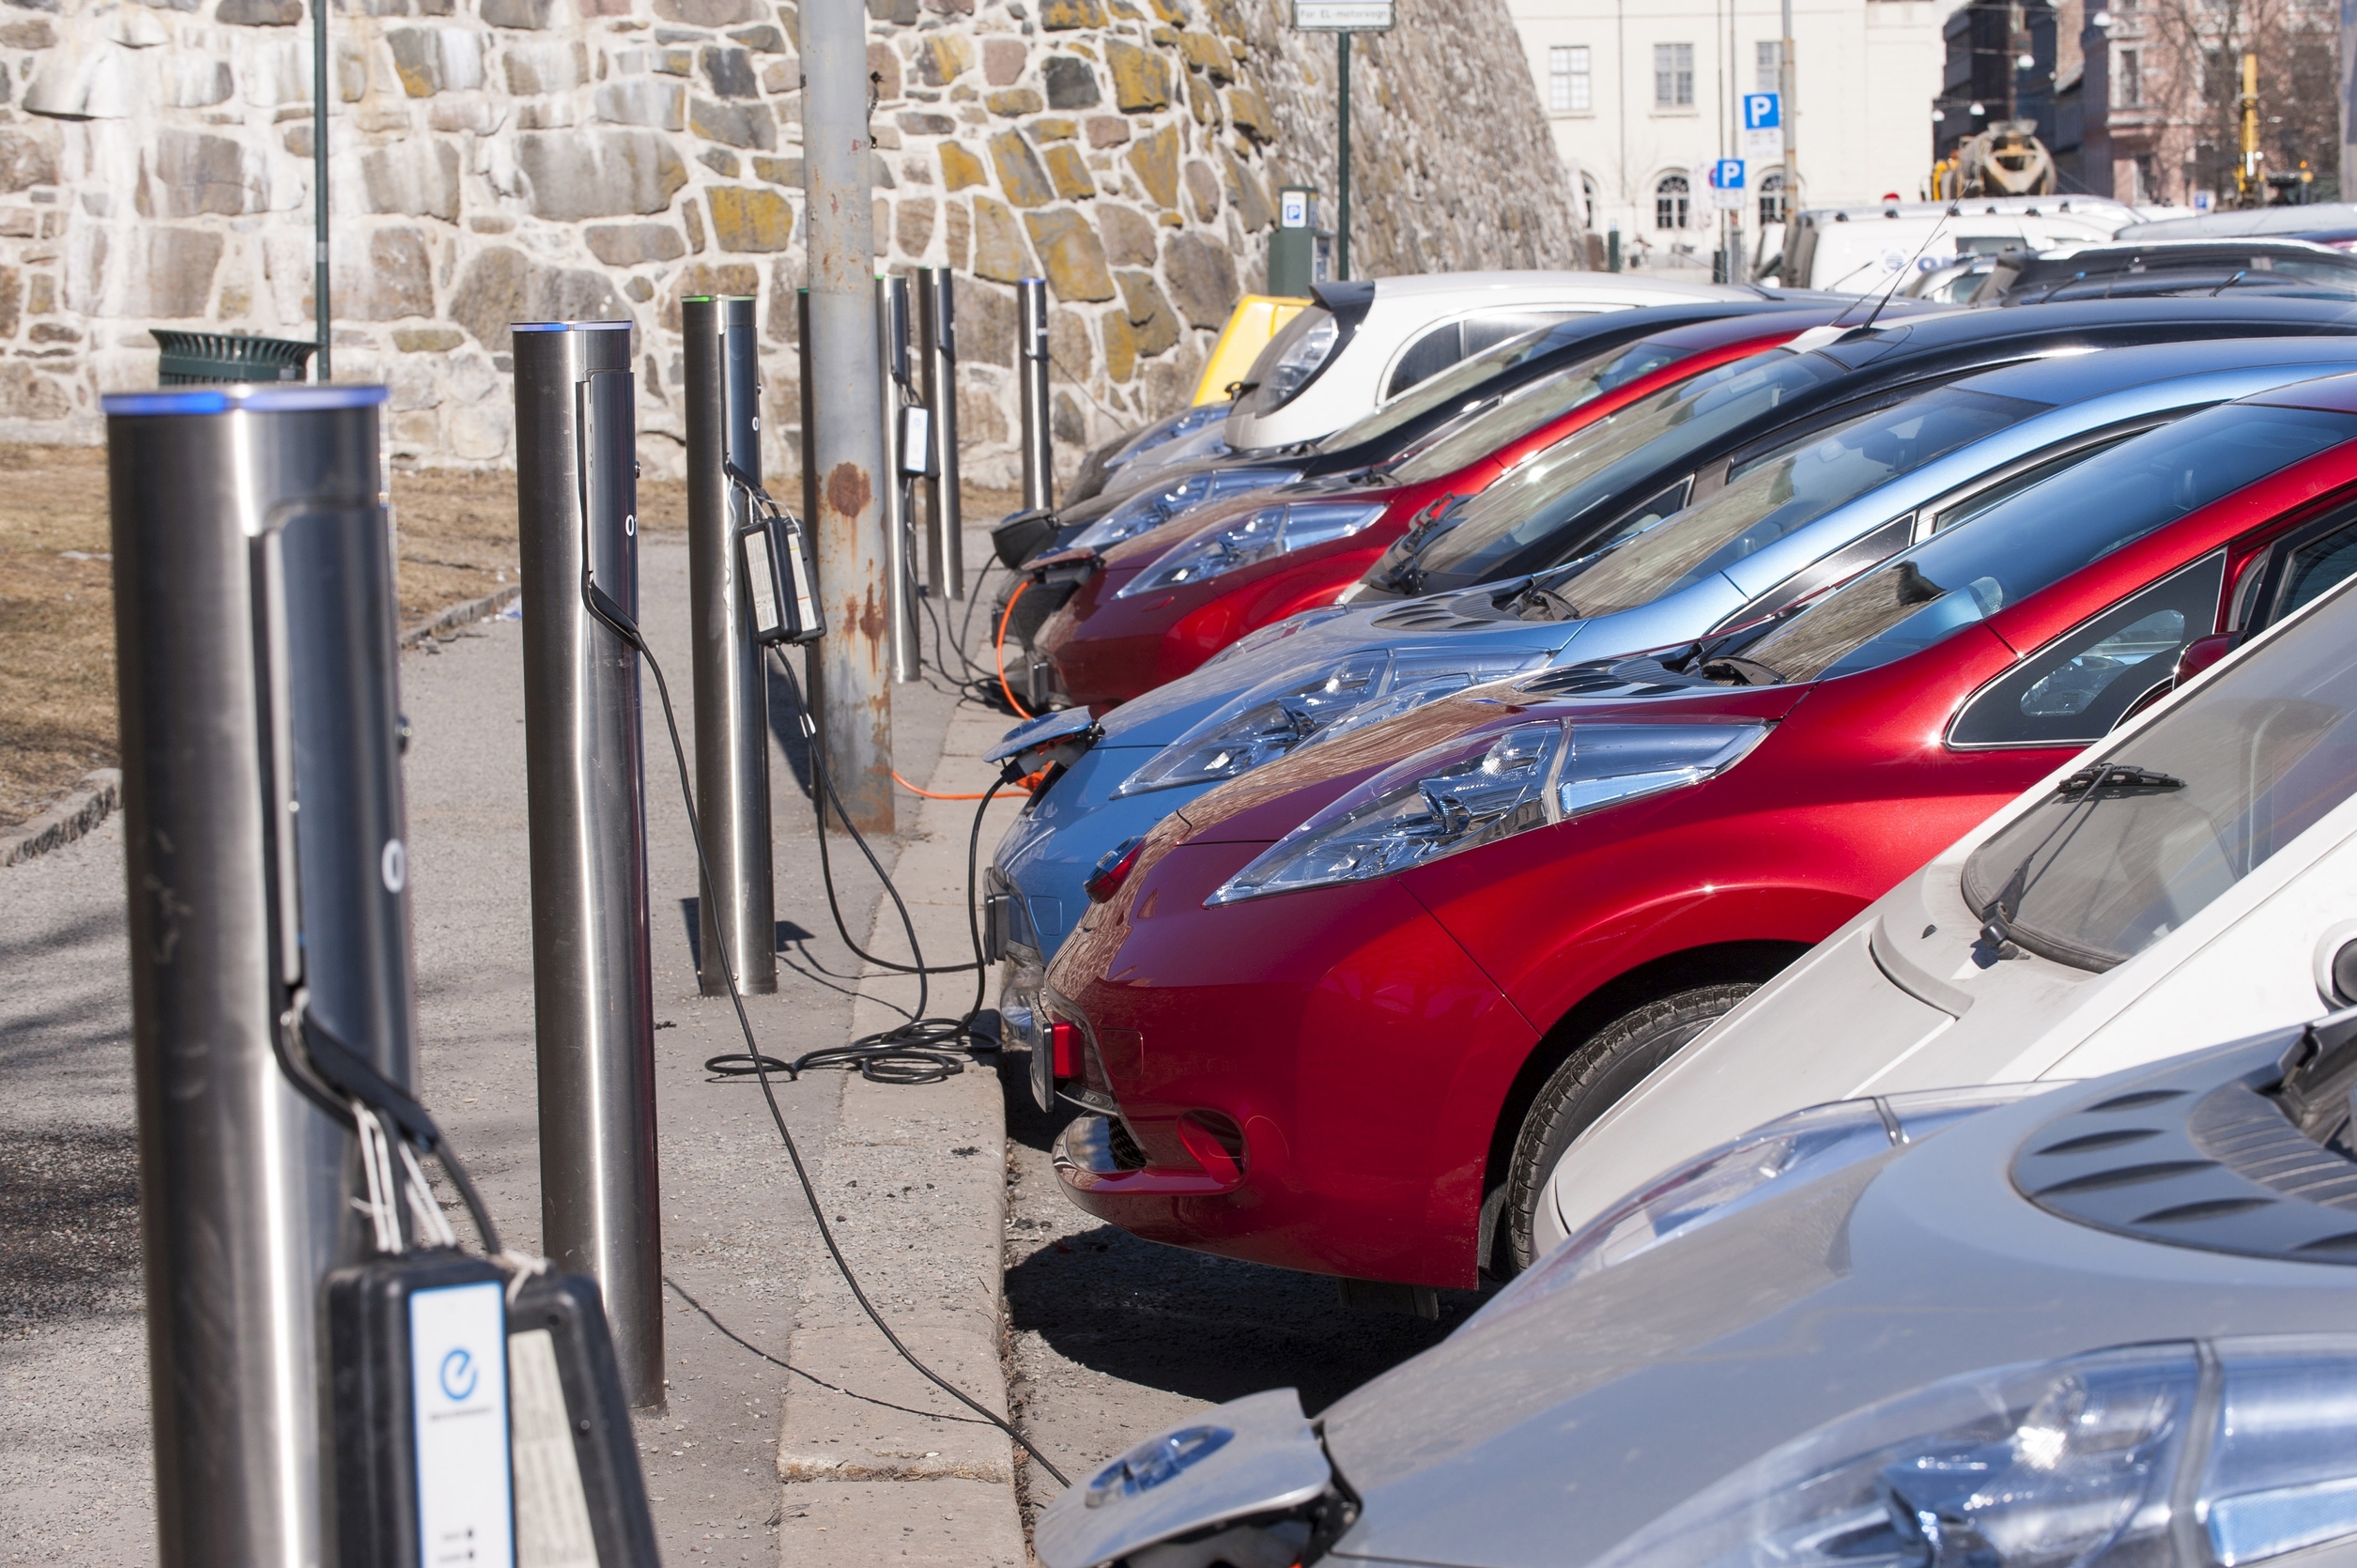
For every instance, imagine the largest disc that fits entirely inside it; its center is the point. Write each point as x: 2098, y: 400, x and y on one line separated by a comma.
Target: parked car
x: 2104, y: 1326
x: 2332, y: 224
x: 1551, y: 514
x: 1742, y: 553
x: 2195, y: 878
x: 1863, y: 249
x: 2117, y: 271
x: 1344, y: 1013
x: 1156, y: 604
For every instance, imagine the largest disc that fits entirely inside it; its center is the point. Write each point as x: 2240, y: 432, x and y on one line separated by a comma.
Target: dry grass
x: 458, y: 542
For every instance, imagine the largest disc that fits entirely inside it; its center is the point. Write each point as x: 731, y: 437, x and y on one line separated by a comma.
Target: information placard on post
x: 1341, y: 16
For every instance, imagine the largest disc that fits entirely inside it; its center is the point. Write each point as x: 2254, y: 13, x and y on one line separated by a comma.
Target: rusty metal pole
x: 855, y: 697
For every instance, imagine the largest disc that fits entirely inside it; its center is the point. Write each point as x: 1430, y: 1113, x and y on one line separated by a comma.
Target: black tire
x: 1600, y: 1069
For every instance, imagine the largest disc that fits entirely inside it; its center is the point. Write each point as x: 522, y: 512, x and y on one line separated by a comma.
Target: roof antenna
x: 1907, y: 270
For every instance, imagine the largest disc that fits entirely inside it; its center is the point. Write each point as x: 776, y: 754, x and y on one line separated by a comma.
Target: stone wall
x: 505, y: 159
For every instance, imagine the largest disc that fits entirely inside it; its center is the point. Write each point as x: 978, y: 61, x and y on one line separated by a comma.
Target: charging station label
x: 458, y: 1382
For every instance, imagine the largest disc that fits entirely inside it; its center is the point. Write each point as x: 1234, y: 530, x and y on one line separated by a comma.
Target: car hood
x: 1570, y: 1414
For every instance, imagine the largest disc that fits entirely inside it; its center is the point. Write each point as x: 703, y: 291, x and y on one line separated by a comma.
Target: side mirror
x: 2202, y: 652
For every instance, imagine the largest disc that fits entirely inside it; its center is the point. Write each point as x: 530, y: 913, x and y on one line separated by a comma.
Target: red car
x: 1159, y: 605
x: 1345, y: 1013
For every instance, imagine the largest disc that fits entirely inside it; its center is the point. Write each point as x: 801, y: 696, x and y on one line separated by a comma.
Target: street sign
x: 1727, y: 173
x: 1341, y: 16
x: 1764, y: 127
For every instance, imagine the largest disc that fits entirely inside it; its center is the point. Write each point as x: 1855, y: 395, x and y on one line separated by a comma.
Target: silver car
x: 2101, y: 1326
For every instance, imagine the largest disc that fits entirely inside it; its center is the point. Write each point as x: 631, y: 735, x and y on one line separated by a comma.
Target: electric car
x: 1550, y: 513
x: 2104, y: 1327
x: 1155, y: 606
x: 2202, y: 881
x: 1740, y: 553
x: 1344, y: 1013
x: 2112, y: 271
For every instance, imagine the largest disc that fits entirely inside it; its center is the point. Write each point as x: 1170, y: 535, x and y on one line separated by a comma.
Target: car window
x: 2038, y: 536
x: 1506, y: 420
x: 1462, y: 380
x: 1428, y: 355
x: 2315, y: 566
x: 2202, y: 796
x: 1772, y: 495
x: 2075, y: 688
x: 1552, y: 491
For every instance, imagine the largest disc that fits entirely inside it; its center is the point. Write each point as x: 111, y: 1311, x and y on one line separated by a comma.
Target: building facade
x: 1644, y: 97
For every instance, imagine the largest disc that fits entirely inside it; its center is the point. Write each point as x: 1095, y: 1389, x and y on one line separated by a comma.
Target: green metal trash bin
x: 192, y: 358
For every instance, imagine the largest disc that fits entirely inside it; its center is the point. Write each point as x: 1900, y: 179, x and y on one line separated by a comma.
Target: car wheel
x: 1602, y: 1068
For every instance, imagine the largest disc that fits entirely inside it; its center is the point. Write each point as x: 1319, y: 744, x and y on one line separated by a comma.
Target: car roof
x: 2072, y: 378
x: 2218, y: 245
x: 2097, y: 208
x: 2321, y: 218
x: 1487, y: 287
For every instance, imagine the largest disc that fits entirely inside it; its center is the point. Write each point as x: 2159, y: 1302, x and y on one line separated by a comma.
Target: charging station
x: 906, y: 438
x: 592, y: 989
x: 1031, y: 390
x: 724, y: 470
x: 936, y: 317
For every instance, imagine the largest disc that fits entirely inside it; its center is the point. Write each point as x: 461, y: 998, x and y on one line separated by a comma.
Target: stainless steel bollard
x: 937, y: 350
x: 1031, y: 389
x: 900, y: 555
x: 255, y: 628
x: 593, y: 992
x: 738, y: 913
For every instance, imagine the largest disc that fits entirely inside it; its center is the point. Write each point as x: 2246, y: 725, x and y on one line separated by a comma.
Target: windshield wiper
x: 1743, y: 672
x: 2082, y: 790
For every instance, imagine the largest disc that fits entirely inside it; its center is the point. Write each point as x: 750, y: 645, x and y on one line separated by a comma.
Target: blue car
x: 1797, y: 515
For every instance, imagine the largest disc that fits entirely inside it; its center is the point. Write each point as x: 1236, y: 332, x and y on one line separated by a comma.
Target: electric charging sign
x: 458, y: 1392
x: 1341, y: 16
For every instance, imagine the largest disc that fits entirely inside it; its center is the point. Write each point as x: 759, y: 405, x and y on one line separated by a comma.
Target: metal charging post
x: 1031, y: 364
x: 737, y: 915
x: 255, y: 628
x: 593, y: 990
x: 944, y: 519
x: 900, y: 558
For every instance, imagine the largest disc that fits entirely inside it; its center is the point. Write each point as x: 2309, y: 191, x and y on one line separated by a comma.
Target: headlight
x: 2106, y: 1460
x: 1299, y: 364
x: 1273, y: 530
x: 1775, y: 1157
x: 1363, y: 689
x: 1300, y: 621
x: 1153, y: 507
x: 1465, y: 794
x: 1175, y: 428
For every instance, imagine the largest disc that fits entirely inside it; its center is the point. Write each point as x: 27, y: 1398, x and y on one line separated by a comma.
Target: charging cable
x: 610, y: 614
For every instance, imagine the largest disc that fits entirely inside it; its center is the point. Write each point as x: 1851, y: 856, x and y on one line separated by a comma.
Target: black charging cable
x: 758, y: 1065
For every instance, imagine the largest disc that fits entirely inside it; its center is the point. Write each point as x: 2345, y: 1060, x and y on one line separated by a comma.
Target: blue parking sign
x: 1727, y: 173
x: 1763, y: 110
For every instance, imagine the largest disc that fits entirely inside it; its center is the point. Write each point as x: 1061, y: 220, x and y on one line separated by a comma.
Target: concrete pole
x: 944, y: 516
x: 855, y: 697
x: 255, y: 628
x: 737, y: 915
x: 1031, y: 391
x: 585, y: 781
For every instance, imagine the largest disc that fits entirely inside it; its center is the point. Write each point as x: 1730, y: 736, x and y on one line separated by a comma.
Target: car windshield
x: 1462, y: 380
x: 2134, y: 846
x: 2037, y: 537
x: 1770, y: 495
x: 1484, y: 429
x: 1557, y: 487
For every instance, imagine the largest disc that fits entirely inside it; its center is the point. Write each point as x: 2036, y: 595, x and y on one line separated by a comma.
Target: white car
x: 1360, y: 345
x: 1862, y: 250
x: 2193, y: 879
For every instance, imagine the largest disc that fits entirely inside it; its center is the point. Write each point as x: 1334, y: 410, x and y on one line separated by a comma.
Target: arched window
x: 1588, y: 202
x: 1772, y: 197
x: 1672, y: 199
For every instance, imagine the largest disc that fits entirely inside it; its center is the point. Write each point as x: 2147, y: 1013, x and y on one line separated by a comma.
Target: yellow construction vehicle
x: 2005, y: 159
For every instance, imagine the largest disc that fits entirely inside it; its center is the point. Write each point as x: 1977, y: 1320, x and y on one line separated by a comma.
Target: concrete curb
x: 95, y: 798
x: 460, y: 615
x: 913, y: 1179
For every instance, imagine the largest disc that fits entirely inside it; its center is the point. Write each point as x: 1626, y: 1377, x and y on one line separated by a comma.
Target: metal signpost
x: 739, y: 914
x: 1342, y: 18
x: 593, y: 988
x: 1031, y: 354
x: 1726, y: 179
x: 254, y: 632
x: 937, y: 384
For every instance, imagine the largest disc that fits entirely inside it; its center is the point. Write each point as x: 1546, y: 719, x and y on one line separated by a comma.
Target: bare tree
x: 2177, y: 93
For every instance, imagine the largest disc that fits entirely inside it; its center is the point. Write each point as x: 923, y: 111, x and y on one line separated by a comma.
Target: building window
x: 1671, y: 196
x: 1567, y: 81
x: 1772, y: 197
x: 1771, y: 66
x: 1588, y: 202
x: 2130, y: 78
x: 1673, y: 76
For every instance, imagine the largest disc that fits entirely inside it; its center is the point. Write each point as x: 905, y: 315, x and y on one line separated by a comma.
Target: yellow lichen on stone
x: 1156, y: 159
x: 1070, y: 174
x: 1141, y: 83
x: 1070, y: 252
x: 1019, y: 173
x: 960, y: 168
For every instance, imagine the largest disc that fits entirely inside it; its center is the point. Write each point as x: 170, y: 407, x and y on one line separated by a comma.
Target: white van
x: 2191, y: 880
x: 1862, y: 250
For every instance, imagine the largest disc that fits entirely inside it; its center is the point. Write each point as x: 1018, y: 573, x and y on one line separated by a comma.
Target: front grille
x: 1126, y: 1153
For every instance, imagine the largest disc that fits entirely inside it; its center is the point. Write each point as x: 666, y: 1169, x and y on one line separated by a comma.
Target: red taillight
x: 1113, y: 870
x: 1064, y: 1049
